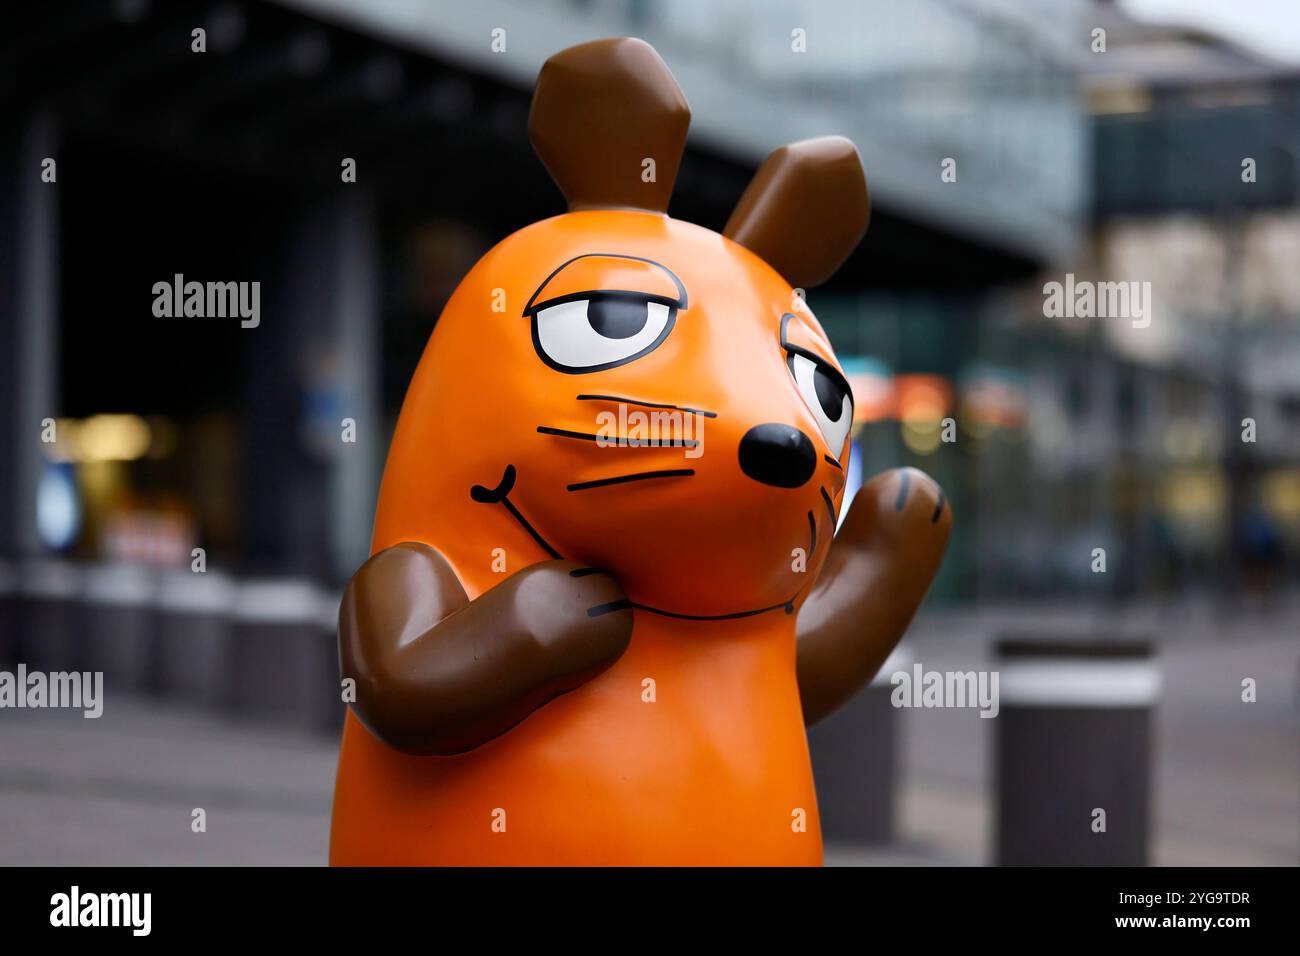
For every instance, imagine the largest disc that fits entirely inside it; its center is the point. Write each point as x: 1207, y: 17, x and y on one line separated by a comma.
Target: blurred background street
x: 177, y: 508
x: 121, y: 790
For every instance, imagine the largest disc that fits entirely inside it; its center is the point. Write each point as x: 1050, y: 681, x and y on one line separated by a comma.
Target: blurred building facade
x: 1003, y: 152
x: 1171, y: 440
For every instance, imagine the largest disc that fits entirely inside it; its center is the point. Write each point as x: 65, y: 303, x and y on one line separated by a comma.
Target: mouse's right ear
x: 600, y: 111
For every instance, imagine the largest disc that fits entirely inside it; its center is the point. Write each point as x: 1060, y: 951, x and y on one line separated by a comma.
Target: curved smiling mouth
x: 501, y: 495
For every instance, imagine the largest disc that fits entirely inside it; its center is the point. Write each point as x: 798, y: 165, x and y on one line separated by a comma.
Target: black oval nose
x: 779, y: 455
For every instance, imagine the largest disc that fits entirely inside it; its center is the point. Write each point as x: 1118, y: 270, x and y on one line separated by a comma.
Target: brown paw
x: 903, y: 505
x: 578, y: 615
x: 918, y: 498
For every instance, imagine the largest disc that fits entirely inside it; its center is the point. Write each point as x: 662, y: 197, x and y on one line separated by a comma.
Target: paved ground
x: 123, y: 792
x: 121, y: 789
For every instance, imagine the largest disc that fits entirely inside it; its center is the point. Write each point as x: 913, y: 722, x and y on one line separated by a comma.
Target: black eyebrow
x: 529, y: 309
x: 602, y: 294
x: 821, y: 360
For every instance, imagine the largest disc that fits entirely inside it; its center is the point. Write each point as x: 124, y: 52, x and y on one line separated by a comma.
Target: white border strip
x: 1053, y: 682
x: 188, y: 592
x: 119, y: 585
x: 50, y: 580
x: 278, y: 601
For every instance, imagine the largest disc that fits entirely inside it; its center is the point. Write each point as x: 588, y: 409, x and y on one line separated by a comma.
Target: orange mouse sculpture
x: 606, y: 595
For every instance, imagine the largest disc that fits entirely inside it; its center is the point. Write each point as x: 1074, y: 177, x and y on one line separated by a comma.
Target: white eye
x: 600, y: 330
x: 826, y: 397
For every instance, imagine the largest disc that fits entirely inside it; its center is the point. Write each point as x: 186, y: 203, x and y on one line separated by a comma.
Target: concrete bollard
x: 193, y: 651
x: 49, y: 626
x: 285, y: 663
x: 1073, y: 753
x: 855, y: 763
x: 117, y: 623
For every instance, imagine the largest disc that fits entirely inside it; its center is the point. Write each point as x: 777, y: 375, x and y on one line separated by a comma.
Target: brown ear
x: 600, y: 110
x: 805, y: 210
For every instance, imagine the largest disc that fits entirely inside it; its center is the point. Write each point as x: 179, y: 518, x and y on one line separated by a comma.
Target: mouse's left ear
x: 609, y: 123
x: 806, y: 209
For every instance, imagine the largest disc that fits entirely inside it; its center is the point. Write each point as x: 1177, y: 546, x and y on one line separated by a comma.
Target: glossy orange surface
x: 714, y: 770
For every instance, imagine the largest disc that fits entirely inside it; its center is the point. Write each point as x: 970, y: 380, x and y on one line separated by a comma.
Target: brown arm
x: 880, y: 565
x: 437, y: 673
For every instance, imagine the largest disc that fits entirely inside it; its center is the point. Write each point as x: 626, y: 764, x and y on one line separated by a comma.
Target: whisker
x: 832, y: 461
x: 618, y: 441
x: 830, y: 506
x: 633, y: 401
x: 812, y: 528
x: 639, y: 476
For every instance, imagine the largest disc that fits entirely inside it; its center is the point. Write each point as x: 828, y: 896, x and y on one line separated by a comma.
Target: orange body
x: 691, y: 749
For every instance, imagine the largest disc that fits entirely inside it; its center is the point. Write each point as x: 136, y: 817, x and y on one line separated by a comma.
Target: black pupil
x: 617, y: 317
x: 829, y: 393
